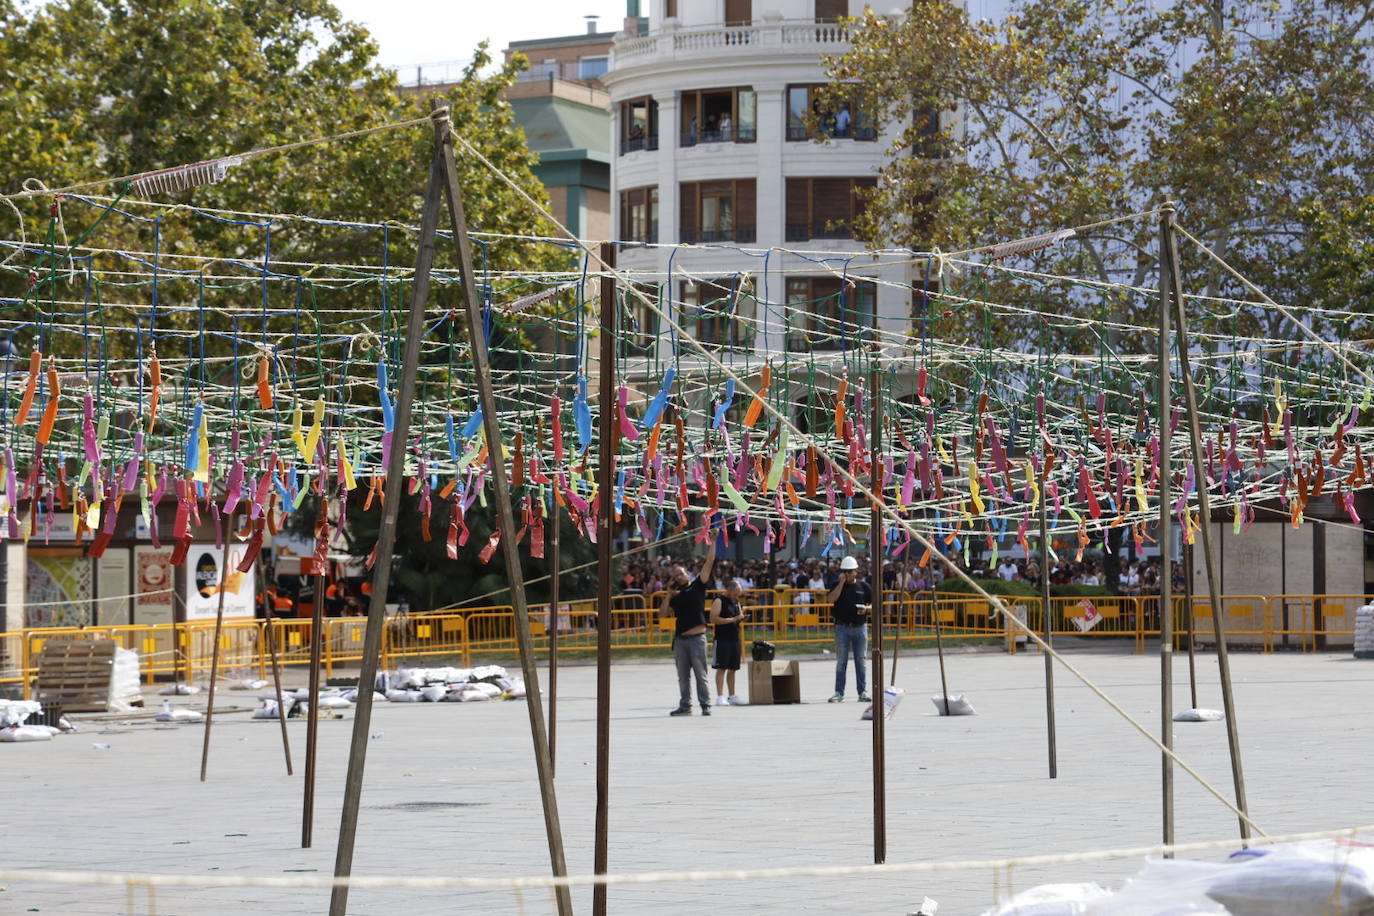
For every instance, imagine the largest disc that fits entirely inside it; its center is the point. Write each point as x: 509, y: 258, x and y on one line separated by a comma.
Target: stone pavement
x: 451, y: 790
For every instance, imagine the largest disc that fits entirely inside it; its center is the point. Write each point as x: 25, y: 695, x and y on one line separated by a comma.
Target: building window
x: 828, y: 313
x: 719, y: 116
x: 717, y: 211
x: 638, y: 125
x: 640, y: 334
x: 639, y: 215
x: 670, y: 9
x: 719, y: 313
x: 831, y: 10
x: 824, y: 208
x: 739, y: 12
x: 844, y: 121
x: 590, y: 68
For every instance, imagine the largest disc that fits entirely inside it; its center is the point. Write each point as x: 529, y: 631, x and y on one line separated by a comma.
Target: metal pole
x: 1166, y: 625
x: 312, y: 712
x: 555, y: 561
x: 276, y: 665
x: 875, y: 552
x: 491, y: 423
x: 1208, y: 554
x: 605, y: 531
x: 1047, y: 625
x: 1192, y: 619
x: 386, y: 540
x: 214, y: 651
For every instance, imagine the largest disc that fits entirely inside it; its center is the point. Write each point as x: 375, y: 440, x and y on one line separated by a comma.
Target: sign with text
x: 204, y: 577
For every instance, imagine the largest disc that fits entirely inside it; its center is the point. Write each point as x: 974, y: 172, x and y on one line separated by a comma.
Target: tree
x: 1068, y: 112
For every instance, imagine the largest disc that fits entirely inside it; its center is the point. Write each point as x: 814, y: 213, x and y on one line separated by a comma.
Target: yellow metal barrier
x: 185, y: 650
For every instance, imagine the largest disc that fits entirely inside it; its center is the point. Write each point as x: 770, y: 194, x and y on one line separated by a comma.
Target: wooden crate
x: 74, y: 674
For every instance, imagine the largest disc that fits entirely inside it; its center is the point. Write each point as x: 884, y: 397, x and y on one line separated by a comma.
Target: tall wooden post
x: 386, y: 538
x: 605, y: 531
x: 875, y: 552
x: 312, y: 712
x: 1047, y: 627
x: 555, y: 562
x: 1166, y: 535
x: 214, y: 650
x: 271, y: 639
x: 1208, y: 553
x: 510, y: 550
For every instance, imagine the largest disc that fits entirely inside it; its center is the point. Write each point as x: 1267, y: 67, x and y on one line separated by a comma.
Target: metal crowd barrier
x: 184, y: 651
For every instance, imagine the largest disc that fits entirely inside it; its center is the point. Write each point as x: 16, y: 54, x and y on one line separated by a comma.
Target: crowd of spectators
x: 646, y: 575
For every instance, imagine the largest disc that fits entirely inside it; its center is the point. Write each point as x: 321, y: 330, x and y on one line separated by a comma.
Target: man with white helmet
x: 849, y: 603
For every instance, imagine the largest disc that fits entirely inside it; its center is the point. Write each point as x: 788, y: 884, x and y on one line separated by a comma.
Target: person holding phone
x: 687, y: 599
x: 849, y: 603
x: 728, y: 619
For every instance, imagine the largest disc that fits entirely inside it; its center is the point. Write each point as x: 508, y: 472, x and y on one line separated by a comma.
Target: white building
x: 709, y: 147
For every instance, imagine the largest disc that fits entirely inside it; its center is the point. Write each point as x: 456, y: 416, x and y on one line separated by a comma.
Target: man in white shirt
x: 1007, y: 571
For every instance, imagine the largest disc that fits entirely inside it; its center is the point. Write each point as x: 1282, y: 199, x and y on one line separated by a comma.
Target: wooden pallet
x: 75, y: 674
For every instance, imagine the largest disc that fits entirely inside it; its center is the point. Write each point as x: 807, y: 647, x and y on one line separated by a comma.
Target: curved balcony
x: 675, y: 43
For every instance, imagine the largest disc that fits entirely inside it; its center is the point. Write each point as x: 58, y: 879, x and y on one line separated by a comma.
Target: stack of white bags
x: 1316, y: 878
x: 453, y: 685
x: 1364, y: 632
x: 13, y: 715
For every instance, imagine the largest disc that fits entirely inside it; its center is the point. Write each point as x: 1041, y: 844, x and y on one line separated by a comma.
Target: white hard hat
x: 849, y: 563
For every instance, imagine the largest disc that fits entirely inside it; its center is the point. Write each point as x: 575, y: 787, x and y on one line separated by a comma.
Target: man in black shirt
x: 849, y: 603
x: 687, y: 598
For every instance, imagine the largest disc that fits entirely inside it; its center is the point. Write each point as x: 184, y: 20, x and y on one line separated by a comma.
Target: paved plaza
x: 451, y: 790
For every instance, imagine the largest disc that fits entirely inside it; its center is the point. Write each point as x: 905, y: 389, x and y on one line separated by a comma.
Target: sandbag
x: 433, y: 693
x: 17, y: 733
x: 1051, y: 900
x: 958, y: 705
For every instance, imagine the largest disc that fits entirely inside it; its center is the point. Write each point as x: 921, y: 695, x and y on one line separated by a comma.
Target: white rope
x: 440, y: 882
x: 749, y: 393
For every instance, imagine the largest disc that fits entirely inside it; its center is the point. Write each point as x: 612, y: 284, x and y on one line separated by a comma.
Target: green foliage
x: 992, y: 586
x: 93, y: 89
x: 430, y: 580
x: 1252, y: 117
x: 1073, y: 590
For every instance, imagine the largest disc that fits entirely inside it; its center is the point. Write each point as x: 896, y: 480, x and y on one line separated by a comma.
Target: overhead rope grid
x: 221, y: 382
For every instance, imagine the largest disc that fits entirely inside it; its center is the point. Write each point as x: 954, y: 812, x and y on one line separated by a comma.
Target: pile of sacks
x: 13, y: 718
x: 297, y: 702
x: 452, y: 685
x: 1364, y: 632
x: 1315, y: 878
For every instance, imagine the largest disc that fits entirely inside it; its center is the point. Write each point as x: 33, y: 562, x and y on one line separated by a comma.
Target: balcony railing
x: 733, y: 135
x: 635, y: 144
x: 857, y: 133
x: 671, y: 41
x: 743, y: 234
x: 804, y: 232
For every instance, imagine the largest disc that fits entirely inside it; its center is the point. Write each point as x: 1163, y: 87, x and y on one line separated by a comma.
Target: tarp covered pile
x: 1316, y: 878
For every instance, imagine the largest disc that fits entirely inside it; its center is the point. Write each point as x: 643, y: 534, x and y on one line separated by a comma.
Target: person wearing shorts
x: 728, y: 620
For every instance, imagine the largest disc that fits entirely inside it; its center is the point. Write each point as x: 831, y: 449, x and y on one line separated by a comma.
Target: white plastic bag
x: 1051, y: 900
x: 14, y: 712
x: 124, y: 687
x: 433, y: 693
x: 958, y: 705
x: 17, y: 733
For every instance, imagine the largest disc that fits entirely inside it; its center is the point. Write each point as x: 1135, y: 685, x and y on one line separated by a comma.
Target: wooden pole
x: 386, y: 539
x: 1192, y: 623
x: 312, y: 712
x: 605, y: 531
x: 271, y: 639
x: 1047, y: 626
x: 492, y: 424
x: 214, y: 650
x: 555, y: 561
x: 1208, y: 554
x: 1166, y: 536
x: 875, y: 553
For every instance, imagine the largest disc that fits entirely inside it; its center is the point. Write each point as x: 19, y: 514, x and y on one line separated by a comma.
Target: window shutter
x: 745, y: 205
x: 739, y: 12
x: 687, y: 211
x: 830, y: 10
x: 798, y: 209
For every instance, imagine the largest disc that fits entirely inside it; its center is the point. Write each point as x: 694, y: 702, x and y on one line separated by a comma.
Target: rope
x: 437, y: 882
x: 884, y: 506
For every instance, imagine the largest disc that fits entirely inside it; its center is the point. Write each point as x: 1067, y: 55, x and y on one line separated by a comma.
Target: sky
x: 411, y: 32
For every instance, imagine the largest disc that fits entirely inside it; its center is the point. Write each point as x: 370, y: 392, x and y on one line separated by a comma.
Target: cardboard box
x: 778, y: 681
